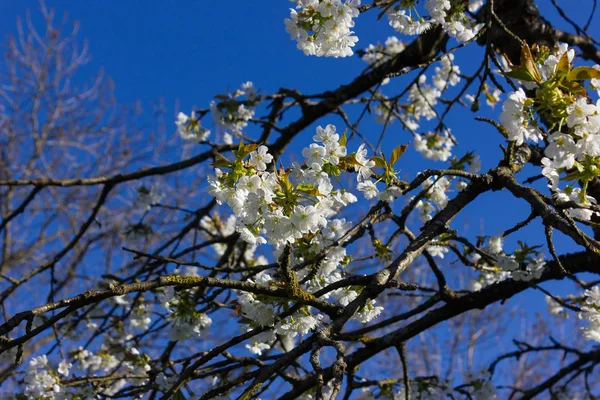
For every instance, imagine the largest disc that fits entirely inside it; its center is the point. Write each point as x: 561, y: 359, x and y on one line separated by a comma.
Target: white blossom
x: 515, y: 118
x: 190, y: 128
x: 260, y: 158
x: 366, y: 165
x: 554, y: 307
x: 368, y: 188
x: 404, y: 22
x: 63, y: 368
x: 323, y: 27
x: 447, y: 74
x: 434, y: 146
x: 368, y: 312
x: 437, y: 251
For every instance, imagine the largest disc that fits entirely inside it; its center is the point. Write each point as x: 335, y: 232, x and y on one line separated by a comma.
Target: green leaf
x: 308, y: 189
x: 244, y: 149
x: 572, y: 176
x: 461, y: 163
x: 332, y: 170
x: 379, y: 162
x: 239, y: 153
x: 249, y: 148
x: 574, y: 88
x: 446, y: 236
x: 284, y: 181
x: 563, y: 66
x: 344, y: 139
x: 350, y: 160
x: 397, y: 153
x: 521, y: 74
x: 221, y: 162
x: 583, y: 74
x: 528, y: 63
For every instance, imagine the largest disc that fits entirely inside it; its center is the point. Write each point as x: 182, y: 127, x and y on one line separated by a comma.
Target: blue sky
x: 187, y: 51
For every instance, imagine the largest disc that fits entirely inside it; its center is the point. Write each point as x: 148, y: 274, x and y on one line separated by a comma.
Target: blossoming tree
x: 321, y: 271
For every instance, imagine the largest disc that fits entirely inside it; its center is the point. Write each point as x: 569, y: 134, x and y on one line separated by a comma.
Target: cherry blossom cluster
x: 217, y: 226
x: 262, y: 311
x: 491, y: 95
x: 128, y: 362
x: 447, y: 73
x: 518, y: 118
x: 367, y: 185
x: 479, y: 385
x: 590, y: 312
x: 435, y: 146
x: 481, y: 382
x: 284, y: 205
x: 190, y: 128
x: 557, y: 97
x: 433, y: 197
x: 185, y: 321
x: 41, y: 381
x: 377, y: 54
x: 555, y: 308
x: 297, y: 206
x: 406, y: 19
x: 524, y: 264
x: 139, y: 315
x: 489, y: 274
x: 49, y: 382
x: 383, y: 109
x: 231, y: 112
x: 116, y: 356
x: 422, y: 99
x: 323, y: 27
x: 147, y: 197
